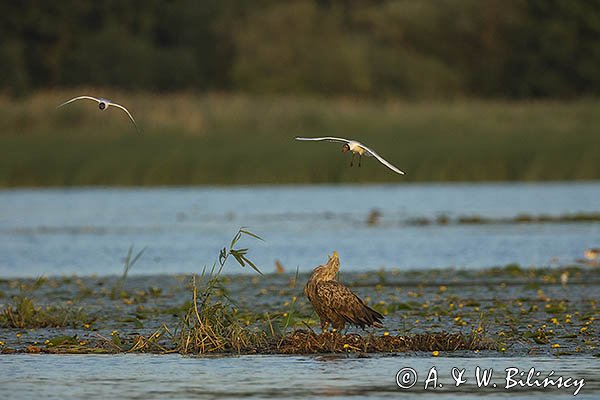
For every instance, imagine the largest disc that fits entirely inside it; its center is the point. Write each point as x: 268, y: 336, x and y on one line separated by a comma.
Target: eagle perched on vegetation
x: 335, y: 303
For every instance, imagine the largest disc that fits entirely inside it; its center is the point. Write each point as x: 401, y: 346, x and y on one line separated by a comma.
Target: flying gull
x: 356, y: 148
x: 103, y: 104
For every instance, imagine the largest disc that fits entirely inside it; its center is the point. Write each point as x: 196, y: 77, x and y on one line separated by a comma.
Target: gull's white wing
x: 79, y: 98
x: 128, y: 113
x: 327, y: 138
x: 381, y: 159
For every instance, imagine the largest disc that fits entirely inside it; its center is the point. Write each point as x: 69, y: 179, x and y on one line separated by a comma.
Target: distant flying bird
x: 334, y: 302
x: 103, y: 104
x: 356, y: 148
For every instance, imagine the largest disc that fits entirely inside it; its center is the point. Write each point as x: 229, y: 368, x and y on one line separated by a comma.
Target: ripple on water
x: 143, y: 376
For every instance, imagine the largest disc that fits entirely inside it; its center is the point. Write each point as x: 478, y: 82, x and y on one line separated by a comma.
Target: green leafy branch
x: 239, y: 254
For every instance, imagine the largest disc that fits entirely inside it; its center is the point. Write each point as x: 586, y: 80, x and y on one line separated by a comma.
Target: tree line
x: 374, y: 48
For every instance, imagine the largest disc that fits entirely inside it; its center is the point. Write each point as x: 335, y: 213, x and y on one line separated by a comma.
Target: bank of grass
x: 513, y: 310
x: 239, y: 139
x: 212, y: 323
x: 25, y: 314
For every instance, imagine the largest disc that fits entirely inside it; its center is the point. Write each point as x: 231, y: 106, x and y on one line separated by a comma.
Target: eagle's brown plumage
x: 335, y: 303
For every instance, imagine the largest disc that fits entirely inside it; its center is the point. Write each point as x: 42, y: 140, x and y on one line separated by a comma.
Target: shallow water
x: 175, y: 377
x: 88, y: 231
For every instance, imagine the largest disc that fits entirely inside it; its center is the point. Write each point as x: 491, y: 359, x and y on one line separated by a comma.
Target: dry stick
x: 202, y: 326
x: 109, y: 342
x: 270, y: 325
x: 171, y: 337
x: 155, y: 336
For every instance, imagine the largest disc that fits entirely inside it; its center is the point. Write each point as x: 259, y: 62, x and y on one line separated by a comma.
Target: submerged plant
x: 24, y: 314
x: 294, y: 316
x: 118, y: 289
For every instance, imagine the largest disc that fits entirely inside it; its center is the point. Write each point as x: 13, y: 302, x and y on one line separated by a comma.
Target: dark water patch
x: 518, y: 219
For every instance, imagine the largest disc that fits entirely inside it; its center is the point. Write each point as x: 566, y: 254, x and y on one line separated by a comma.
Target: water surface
x: 176, y: 377
x: 88, y: 230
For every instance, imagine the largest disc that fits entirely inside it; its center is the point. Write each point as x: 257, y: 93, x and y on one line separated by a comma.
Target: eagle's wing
x: 339, y: 299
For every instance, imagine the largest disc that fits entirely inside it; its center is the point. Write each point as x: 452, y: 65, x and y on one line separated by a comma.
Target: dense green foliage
x: 425, y: 48
x: 224, y: 139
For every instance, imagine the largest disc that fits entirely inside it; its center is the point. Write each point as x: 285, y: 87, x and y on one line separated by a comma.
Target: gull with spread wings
x: 103, y: 104
x: 356, y: 148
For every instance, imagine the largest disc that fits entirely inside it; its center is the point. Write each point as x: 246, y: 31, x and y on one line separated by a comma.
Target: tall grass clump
x: 211, y: 324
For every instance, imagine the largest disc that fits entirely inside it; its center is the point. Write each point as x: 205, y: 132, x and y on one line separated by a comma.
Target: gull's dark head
x: 102, y: 105
x: 345, y: 147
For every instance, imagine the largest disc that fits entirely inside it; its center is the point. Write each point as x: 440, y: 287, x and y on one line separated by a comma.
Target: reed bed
x: 192, y: 139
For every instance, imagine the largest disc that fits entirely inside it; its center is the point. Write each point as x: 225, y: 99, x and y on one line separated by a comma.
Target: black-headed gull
x: 356, y: 148
x: 103, y: 104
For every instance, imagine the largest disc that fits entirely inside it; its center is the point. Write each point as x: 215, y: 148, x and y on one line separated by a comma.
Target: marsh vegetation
x: 511, y: 310
x: 187, y: 140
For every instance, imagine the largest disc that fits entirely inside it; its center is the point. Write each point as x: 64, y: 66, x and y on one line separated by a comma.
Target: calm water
x: 88, y: 231
x: 177, y: 377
